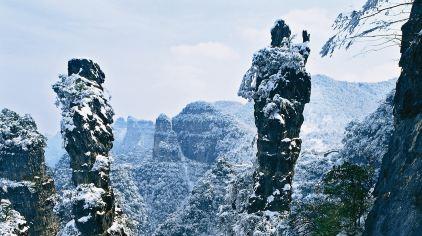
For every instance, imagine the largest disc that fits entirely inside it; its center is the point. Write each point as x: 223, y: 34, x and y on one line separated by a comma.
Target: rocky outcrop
x: 138, y: 137
x: 398, y: 207
x: 280, y: 87
x: 11, y: 221
x: 24, y: 185
x: 166, y: 146
x: 199, y: 127
x: 86, y: 128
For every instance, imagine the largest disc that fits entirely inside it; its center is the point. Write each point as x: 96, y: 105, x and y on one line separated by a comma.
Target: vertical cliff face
x: 199, y: 128
x: 280, y: 86
x: 24, y: 185
x: 86, y: 128
x: 138, y: 138
x: 398, y: 207
x: 166, y: 146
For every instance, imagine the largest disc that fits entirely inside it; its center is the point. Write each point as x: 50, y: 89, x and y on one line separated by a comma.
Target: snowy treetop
x: 19, y: 131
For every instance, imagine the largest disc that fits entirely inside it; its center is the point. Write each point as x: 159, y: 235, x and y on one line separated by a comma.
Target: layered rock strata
x: 199, y: 128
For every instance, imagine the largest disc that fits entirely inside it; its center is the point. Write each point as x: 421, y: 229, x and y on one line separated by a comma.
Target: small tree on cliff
x: 347, y: 187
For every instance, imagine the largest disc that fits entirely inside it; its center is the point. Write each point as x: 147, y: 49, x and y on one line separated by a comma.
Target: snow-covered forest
x: 298, y: 153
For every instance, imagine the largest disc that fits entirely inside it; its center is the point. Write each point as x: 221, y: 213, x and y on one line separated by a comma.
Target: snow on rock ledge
x: 86, y: 128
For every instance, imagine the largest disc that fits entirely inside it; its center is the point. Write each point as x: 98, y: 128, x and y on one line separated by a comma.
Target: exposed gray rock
x: 199, y: 127
x: 154, y: 192
x: 398, y: 207
x: 166, y: 146
x: 331, y: 106
x: 23, y: 179
x: 138, y: 139
x: 280, y: 32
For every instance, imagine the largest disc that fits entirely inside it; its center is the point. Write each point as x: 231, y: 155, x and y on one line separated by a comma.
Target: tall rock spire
x: 280, y: 87
x: 86, y: 127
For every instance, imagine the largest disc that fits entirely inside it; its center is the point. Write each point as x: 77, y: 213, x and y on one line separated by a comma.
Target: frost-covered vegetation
x: 26, y: 191
x: 341, y: 197
x: 19, y: 132
x: 287, y: 56
x: 279, y: 86
x: 376, y: 25
x: 333, y: 106
x: 227, y: 168
x: 76, y: 94
x: 11, y: 221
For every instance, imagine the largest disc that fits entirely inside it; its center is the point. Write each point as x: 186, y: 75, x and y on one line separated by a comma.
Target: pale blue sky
x: 159, y: 55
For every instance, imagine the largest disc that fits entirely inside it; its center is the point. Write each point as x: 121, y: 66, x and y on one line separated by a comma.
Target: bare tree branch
x: 385, y: 9
x: 369, y: 23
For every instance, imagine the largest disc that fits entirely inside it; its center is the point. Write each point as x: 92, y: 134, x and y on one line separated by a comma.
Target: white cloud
x: 211, y: 50
x: 157, y: 58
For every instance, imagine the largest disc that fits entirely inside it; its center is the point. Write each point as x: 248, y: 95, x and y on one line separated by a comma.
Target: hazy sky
x: 160, y: 55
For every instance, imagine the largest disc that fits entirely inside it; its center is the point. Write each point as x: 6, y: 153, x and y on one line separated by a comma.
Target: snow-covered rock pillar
x: 25, y: 186
x: 86, y: 127
x: 280, y: 87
